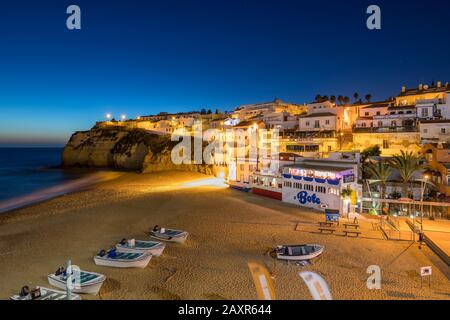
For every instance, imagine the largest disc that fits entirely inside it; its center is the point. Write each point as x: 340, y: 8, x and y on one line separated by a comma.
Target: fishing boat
x: 169, y: 235
x: 299, y: 252
x: 141, y: 246
x: 117, y: 259
x: 42, y: 293
x: 83, y: 281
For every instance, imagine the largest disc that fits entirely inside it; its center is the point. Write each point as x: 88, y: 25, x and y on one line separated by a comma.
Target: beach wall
x: 124, y: 149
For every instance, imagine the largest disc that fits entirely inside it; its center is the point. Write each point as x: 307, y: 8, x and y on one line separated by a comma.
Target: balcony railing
x: 385, y: 129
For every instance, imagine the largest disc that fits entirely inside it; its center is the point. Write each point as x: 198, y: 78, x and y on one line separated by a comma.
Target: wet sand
x: 227, y: 229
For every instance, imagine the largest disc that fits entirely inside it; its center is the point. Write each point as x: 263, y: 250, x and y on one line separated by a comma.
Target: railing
x: 385, y: 129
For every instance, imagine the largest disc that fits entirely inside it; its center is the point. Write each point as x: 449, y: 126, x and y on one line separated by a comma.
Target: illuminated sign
x: 349, y: 178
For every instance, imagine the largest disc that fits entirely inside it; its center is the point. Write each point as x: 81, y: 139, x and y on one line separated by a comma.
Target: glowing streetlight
x: 425, y: 179
x: 123, y: 117
x: 108, y: 116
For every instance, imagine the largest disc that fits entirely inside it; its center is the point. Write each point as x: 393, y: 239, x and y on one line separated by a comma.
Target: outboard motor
x: 102, y: 253
x: 25, y: 291
x: 60, y: 271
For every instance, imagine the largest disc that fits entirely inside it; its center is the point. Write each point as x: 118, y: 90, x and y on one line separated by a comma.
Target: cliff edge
x: 124, y: 149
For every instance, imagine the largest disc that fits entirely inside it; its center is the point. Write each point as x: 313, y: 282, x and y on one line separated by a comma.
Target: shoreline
x: 90, y: 180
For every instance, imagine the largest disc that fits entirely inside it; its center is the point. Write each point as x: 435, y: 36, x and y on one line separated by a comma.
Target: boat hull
x: 306, y: 257
x: 49, y: 294
x: 142, y: 262
x: 90, y: 288
x: 155, y: 251
x: 180, y: 238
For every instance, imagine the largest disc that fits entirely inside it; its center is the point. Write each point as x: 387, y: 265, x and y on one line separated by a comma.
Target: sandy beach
x: 227, y: 229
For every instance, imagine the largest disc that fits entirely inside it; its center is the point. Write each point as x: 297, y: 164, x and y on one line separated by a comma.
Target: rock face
x: 125, y: 149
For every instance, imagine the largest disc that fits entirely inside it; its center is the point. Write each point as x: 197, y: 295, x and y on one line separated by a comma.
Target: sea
x: 24, y: 171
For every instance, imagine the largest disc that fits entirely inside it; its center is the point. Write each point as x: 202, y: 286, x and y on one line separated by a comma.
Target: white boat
x: 169, y: 235
x: 42, y: 293
x: 299, y: 252
x: 87, y: 282
x: 140, y: 246
x: 117, y: 259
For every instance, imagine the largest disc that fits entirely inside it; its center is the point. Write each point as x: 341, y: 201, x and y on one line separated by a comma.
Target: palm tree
x: 356, y: 96
x: 340, y: 99
x: 333, y: 99
x: 318, y: 98
x: 380, y: 171
x: 346, y: 100
x: 325, y: 98
x: 406, y: 163
x: 368, y: 97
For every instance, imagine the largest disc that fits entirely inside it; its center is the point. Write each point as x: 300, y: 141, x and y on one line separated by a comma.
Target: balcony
x: 385, y: 129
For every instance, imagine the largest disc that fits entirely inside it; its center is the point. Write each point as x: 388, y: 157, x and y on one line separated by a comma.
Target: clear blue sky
x: 141, y: 57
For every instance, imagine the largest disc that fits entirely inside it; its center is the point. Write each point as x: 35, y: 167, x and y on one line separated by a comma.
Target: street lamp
x: 423, y: 185
x: 123, y: 117
x: 108, y: 116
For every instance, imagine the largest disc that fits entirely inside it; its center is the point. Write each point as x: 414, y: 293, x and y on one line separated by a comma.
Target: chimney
x: 439, y: 84
x: 420, y: 86
x: 403, y: 89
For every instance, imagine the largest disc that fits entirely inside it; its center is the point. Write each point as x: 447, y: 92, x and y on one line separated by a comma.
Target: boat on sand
x: 116, y: 259
x: 169, y: 235
x: 299, y: 252
x: 155, y: 248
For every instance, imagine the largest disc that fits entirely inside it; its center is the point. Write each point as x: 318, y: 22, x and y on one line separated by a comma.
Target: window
x: 425, y: 130
x: 364, y: 125
x: 288, y: 184
x: 317, y: 124
x: 309, y: 187
x: 297, y: 185
x: 394, y: 123
x: 327, y: 121
x: 321, y: 189
x: 385, y: 144
x: 424, y: 113
x: 366, y: 114
x: 378, y: 113
x: 380, y: 123
x: 443, y: 130
x: 307, y: 123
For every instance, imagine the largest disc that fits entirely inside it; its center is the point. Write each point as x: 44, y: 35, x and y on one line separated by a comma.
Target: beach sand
x: 227, y: 229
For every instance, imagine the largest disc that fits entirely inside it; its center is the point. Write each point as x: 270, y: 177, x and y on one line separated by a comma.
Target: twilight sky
x: 139, y: 57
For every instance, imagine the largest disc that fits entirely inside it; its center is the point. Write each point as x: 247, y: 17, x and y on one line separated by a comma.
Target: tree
x: 380, y: 171
x: 325, y: 98
x: 209, y: 111
x: 346, y: 100
x: 373, y: 151
x: 333, y: 99
x: 203, y: 111
x: 217, y: 111
x: 368, y: 97
x: 406, y: 163
x: 340, y: 99
x: 356, y: 96
x: 318, y: 98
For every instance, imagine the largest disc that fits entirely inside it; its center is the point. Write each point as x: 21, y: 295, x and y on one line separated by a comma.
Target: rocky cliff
x: 125, y: 149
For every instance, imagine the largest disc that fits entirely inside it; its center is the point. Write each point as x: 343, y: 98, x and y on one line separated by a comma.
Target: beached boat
x: 88, y: 282
x: 299, y: 252
x: 140, y: 246
x: 169, y: 235
x: 42, y: 293
x: 117, y: 259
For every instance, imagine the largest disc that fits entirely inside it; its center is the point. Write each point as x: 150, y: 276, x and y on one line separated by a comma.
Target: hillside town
x: 350, y: 155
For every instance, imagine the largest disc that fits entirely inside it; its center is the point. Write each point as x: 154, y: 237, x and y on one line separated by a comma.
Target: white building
x: 324, y: 121
x: 434, y: 131
x: 321, y: 183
